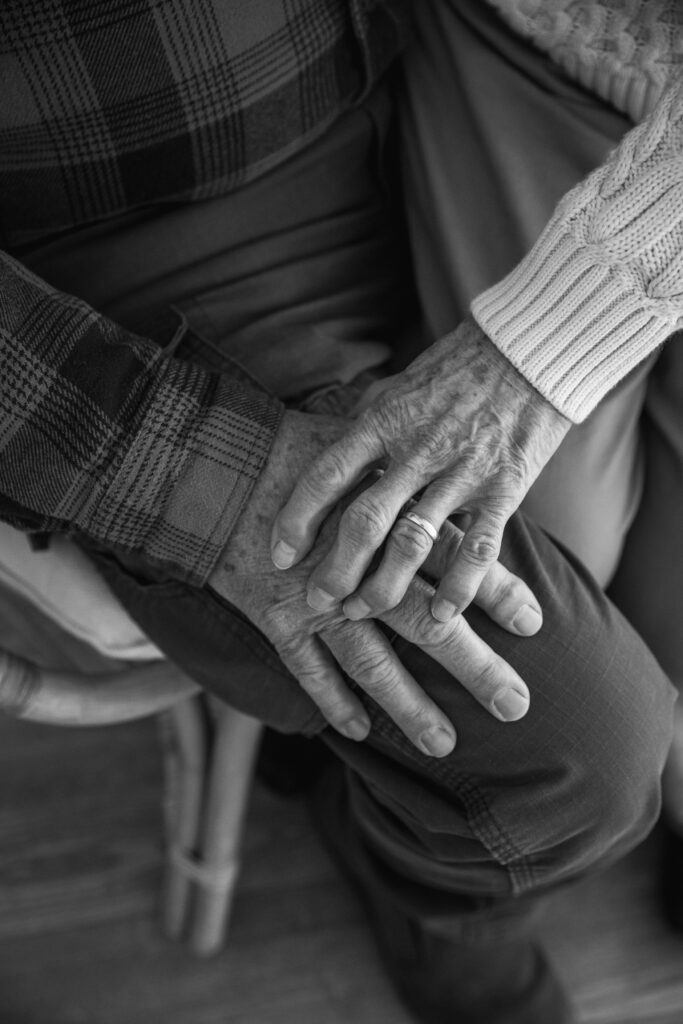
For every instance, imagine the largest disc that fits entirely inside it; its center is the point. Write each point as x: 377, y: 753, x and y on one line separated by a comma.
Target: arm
x: 318, y: 646
x: 105, y: 437
x: 477, y: 416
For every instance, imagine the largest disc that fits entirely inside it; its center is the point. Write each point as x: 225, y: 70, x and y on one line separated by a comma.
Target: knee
x: 576, y: 782
x: 601, y: 732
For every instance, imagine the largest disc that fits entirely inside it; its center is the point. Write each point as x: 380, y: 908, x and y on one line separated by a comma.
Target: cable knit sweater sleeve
x: 603, y: 286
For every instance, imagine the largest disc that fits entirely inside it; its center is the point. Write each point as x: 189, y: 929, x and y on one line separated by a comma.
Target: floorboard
x: 80, y: 874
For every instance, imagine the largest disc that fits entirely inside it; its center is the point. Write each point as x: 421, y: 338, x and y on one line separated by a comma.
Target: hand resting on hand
x: 318, y: 647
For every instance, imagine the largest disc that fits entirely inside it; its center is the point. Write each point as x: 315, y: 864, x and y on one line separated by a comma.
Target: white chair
x: 71, y: 655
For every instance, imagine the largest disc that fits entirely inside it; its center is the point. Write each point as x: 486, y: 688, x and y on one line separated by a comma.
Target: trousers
x: 306, y: 277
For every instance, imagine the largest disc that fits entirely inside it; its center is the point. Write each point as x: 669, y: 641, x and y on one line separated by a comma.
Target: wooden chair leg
x: 184, y: 741
x: 228, y: 784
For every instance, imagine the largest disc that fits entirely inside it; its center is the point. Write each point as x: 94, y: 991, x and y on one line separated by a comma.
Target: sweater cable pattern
x: 603, y: 286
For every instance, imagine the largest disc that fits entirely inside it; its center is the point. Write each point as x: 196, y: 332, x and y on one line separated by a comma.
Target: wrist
x: 499, y: 368
x: 299, y: 438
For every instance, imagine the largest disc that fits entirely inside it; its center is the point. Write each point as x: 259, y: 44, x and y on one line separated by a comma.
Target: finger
x: 409, y: 543
x: 503, y: 596
x: 366, y: 655
x: 476, y: 554
x: 363, y: 527
x: 319, y: 488
x: 509, y: 601
x: 310, y: 663
x: 456, y: 646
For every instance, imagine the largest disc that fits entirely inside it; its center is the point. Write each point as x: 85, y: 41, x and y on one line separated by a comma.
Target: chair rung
x: 219, y: 878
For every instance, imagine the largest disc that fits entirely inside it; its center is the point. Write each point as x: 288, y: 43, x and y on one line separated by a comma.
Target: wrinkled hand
x: 316, y: 646
x: 461, y: 423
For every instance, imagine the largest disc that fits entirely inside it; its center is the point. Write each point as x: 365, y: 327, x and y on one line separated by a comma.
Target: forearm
x: 104, y: 437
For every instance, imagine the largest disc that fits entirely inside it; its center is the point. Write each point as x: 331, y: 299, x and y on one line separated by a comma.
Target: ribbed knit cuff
x: 572, y: 324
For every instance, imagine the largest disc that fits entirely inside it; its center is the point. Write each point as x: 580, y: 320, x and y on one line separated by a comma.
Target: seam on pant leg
x: 499, y: 843
x: 494, y: 837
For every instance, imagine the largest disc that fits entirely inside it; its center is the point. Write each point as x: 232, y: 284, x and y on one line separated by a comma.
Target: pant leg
x: 543, y: 799
x: 492, y: 137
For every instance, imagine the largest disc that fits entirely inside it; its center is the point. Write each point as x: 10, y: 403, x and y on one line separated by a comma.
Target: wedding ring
x: 423, y: 523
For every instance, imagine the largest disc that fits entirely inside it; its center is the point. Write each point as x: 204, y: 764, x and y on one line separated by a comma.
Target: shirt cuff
x: 572, y: 325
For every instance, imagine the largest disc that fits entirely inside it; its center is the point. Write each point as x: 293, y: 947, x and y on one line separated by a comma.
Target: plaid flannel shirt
x: 105, y: 107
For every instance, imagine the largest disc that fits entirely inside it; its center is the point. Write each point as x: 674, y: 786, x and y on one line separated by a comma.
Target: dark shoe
x: 671, y: 876
x: 440, y: 980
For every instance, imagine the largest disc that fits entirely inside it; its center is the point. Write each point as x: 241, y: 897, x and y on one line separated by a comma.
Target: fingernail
x: 320, y: 601
x: 437, y: 742
x: 443, y: 610
x: 283, y: 555
x: 356, y: 608
x: 356, y: 728
x: 528, y: 620
x: 509, y: 704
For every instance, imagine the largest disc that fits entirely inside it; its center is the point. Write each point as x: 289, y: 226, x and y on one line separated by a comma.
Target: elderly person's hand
x: 317, y: 646
x: 460, y: 428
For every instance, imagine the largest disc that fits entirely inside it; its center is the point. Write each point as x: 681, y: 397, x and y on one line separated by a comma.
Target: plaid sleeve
x: 102, y: 435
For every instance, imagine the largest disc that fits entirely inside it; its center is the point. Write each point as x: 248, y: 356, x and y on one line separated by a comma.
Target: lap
x: 516, y: 806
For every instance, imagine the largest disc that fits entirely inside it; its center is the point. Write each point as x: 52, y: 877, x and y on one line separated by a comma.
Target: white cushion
x: 66, y: 587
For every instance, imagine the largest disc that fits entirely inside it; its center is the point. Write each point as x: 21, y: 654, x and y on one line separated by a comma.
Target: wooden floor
x: 80, y: 862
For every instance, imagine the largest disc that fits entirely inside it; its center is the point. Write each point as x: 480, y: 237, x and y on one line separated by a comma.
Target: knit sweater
x: 603, y: 285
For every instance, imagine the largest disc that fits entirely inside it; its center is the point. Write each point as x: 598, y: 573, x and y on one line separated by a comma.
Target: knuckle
x: 327, y: 472
x: 312, y: 678
x: 441, y: 489
x: 315, y: 685
x: 486, y: 680
x: 414, y: 719
x: 276, y: 624
x: 381, y: 597
x: 511, y: 477
x: 373, y: 670
x: 385, y: 416
x: 364, y: 521
x: 432, y: 633
x: 409, y: 542
x: 481, y: 548
x: 469, y: 464
x: 510, y: 592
